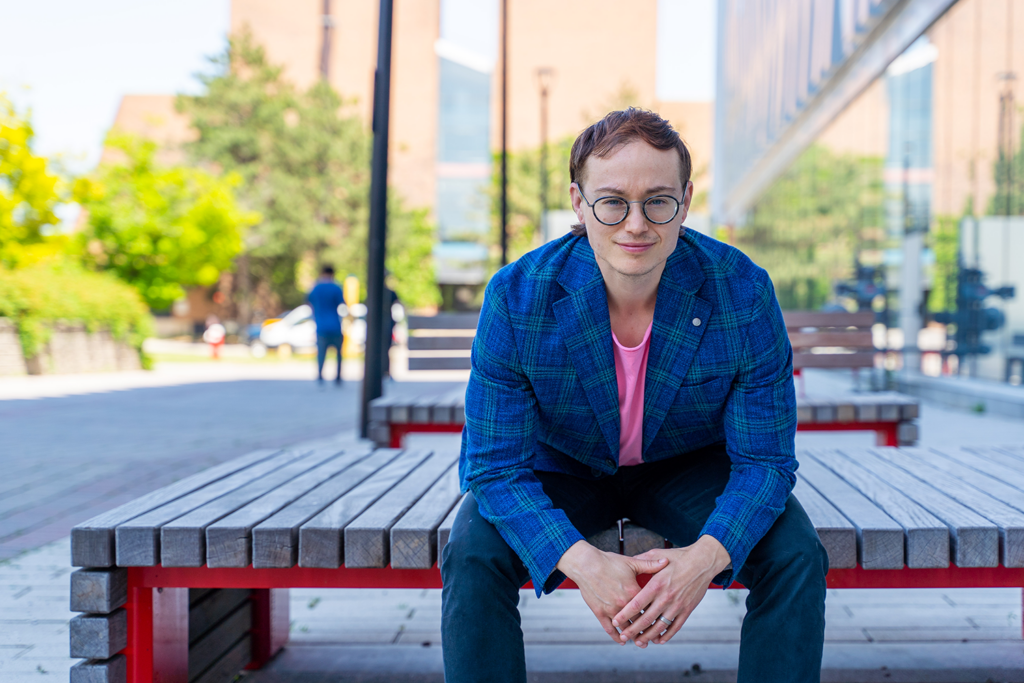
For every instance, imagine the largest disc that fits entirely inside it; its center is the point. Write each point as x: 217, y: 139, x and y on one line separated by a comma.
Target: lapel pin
x: 696, y: 322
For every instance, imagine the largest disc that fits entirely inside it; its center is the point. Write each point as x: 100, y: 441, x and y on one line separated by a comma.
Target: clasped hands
x: 608, y: 584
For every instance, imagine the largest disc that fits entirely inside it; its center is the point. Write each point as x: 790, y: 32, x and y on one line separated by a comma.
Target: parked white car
x: 295, y: 328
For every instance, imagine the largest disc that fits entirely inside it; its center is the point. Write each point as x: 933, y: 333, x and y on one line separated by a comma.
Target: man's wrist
x: 574, y: 558
x: 718, y: 556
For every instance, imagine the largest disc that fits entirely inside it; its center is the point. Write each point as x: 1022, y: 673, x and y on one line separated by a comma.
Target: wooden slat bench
x: 189, y: 583
x: 442, y: 341
x: 889, y: 414
x: 822, y: 339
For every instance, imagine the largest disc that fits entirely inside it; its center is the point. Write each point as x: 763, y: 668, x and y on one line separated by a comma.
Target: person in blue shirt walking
x: 325, y: 298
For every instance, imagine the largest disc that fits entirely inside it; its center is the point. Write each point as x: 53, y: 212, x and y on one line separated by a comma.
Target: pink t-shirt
x: 630, y: 371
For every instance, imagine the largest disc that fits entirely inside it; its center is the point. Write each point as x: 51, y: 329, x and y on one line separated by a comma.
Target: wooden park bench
x: 889, y: 414
x: 190, y: 583
x: 819, y: 339
x: 441, y: 342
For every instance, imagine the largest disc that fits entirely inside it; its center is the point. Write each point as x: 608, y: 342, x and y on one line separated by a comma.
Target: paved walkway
x: 65, y: 438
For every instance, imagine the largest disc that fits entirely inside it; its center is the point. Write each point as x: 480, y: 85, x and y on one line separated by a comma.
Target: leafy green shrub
x: 37, y: 297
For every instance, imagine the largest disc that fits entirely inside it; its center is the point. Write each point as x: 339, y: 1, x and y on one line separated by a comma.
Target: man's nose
x: 636, y: 221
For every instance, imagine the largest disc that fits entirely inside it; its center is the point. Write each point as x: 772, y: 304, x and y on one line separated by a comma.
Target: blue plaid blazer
x: 542, y: 393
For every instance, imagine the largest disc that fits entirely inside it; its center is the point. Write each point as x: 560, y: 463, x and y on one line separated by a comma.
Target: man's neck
x: 630, y: 295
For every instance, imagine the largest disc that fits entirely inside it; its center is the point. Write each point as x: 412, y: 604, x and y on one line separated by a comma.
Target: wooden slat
x: 183, y: 540
x: 320, y: 539
x: 880, y: 539
x: 445, y: 529
x: 113, y: 670
x: 927, y: 537
x: 440, y: 343
x: 859, y: 359
x: 216, y: 605
x: 974, y: 539
x: 1008, y: 520
x: 420, y: 410
x: 836, y: 532
x: 999, y: 457
x: 227, y: 667
x: 98, y: 636
x: 92, y: 542
x: 444, y: 321
x: 414, y: 536
x: 854, y: 339
x: 973, y: 461
x: 380, y: 408
x: 441, y: 363
x: 367, y: 537
x: 229, y: 540
x: 276, y: 541
x: 799, y: 319
x: 100, y: 591
x: 138, y: 540
x: 219, y: 640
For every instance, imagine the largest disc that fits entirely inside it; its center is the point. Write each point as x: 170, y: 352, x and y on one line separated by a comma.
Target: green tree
x: 29, y: 192
x: 524, y: 206
x: 807, y: 229
x: 159, y: 229
x: 945, y: 243
x: 304, y: 157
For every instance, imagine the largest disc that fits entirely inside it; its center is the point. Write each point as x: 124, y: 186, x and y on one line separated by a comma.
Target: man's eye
x: 613, y: 203
x: 657, y: 201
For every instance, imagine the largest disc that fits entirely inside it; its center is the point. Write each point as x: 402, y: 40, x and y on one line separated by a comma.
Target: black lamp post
x: 375, y: 302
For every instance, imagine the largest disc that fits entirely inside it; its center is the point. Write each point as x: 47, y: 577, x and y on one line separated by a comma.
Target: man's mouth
x: 636, y: 247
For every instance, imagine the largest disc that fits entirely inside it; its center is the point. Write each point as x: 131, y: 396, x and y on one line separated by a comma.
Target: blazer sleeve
x: 760, y: 432
x: 498, y: 441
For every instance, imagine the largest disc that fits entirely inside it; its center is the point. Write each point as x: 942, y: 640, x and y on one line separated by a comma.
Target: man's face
x: 633, y: 172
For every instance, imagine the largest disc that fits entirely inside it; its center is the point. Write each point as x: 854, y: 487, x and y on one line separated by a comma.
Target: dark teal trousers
x: 784, y: 629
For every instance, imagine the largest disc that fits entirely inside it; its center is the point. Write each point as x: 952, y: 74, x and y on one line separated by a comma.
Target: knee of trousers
x: 802, y: 565
x: 479, y: 564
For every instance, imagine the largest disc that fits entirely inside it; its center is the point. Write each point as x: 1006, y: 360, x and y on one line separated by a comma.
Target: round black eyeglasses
x: 659, y: 209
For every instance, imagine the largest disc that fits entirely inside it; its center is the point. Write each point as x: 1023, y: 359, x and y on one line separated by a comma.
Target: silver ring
x: 667, y: 621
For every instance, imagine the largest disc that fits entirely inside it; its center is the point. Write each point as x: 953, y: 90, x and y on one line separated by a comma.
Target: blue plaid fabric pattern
x: 542, y: 393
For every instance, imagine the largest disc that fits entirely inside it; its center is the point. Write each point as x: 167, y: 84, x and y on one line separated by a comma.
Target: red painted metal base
x: 270, y: 601
x: 398, y: 431
x: 886, y: 431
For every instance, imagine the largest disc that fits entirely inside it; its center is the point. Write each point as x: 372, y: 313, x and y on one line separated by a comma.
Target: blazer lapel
x: 680, y: 319
x: 583, y: 322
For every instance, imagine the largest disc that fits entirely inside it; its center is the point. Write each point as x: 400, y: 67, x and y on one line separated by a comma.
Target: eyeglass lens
x: 659, y: 209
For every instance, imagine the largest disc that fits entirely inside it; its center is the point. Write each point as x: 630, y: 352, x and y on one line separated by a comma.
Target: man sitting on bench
x: 635, y: 369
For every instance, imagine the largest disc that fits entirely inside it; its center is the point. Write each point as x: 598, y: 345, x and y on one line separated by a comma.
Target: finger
x: 644, y: 625
x: 632, y: 608
x: 612, y: 632
x: 647, y: 565
x: 677, y: 623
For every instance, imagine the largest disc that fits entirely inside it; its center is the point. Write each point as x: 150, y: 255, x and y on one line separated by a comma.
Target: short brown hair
x: 618, y: 128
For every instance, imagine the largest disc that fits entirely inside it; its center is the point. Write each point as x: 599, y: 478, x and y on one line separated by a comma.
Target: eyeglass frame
x: 642, y: 204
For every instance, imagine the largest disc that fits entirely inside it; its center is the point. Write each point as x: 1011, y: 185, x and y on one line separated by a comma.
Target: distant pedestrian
x: 214, y: 335
x: 325, y: 298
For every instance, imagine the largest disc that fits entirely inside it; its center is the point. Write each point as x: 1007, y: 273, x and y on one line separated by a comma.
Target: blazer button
x: 696, y: 322
x: 596, y: 472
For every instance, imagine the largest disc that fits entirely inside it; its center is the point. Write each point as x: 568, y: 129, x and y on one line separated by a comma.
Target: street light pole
x: 544, y: 75
x: 504, y: 132
x: 375, y: 303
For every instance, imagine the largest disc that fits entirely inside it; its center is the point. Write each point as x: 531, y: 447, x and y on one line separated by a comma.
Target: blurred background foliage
x: 824, y: 213
x: 304, y: 160
x: 159, y: 229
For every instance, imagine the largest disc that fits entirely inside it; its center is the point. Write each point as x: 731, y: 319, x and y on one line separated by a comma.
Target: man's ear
x: 577, y: 201
x: 684, y: 208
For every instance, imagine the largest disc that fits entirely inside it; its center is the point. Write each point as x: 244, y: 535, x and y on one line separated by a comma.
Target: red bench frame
x: 887, y: 431
x: 158, y: 602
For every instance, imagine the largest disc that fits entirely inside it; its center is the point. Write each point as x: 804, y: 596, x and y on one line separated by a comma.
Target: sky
x: 71, y: 61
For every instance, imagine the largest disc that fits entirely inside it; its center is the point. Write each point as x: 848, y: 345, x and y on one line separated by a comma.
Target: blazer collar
x: 680, y: 319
